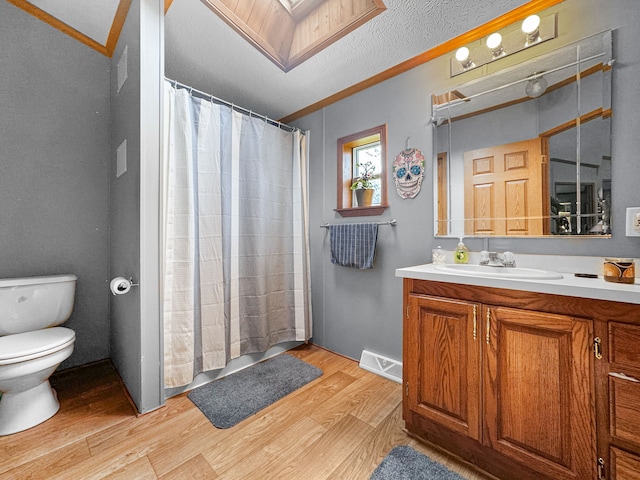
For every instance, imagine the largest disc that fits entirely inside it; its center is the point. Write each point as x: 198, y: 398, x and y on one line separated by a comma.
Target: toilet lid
x: 24, y: 346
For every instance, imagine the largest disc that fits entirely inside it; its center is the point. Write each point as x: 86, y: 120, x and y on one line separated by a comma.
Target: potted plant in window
x: 363, y: 185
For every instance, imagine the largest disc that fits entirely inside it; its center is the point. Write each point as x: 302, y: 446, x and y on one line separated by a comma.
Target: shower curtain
x: 235, y: 232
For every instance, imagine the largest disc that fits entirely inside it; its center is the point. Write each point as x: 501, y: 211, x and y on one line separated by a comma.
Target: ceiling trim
x: 116, y: 27
x: 112, y: 39
x: 57, y: 24
x: 534, y: 6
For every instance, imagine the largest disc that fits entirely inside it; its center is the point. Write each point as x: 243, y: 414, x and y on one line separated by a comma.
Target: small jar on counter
x: 438, y: 256
x: 619, y: 270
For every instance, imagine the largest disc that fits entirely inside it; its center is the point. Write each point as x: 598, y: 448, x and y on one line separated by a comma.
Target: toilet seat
x: 21, y: 347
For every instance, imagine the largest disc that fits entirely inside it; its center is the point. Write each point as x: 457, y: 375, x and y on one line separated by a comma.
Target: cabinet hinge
x: 406, y: 389
x: 597, y: 348
x: 601, y: 475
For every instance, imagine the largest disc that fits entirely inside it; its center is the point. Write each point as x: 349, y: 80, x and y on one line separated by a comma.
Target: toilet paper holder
x: 120, y: 285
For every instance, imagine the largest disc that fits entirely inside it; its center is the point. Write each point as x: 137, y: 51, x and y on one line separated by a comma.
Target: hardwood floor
x: 339, y: 426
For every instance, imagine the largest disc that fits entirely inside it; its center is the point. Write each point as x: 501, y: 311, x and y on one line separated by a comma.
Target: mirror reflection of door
x: 504, y: 188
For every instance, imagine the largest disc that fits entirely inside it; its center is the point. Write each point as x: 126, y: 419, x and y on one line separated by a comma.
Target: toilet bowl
x: 29, y: 357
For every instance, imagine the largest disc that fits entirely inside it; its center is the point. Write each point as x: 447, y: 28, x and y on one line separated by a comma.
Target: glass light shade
x: 462, y: 54
x: 530, y: 24
x: 494, y: 41
x: 536, y: 87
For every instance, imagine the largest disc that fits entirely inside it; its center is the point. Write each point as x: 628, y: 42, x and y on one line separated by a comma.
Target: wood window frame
x: 345, y: 172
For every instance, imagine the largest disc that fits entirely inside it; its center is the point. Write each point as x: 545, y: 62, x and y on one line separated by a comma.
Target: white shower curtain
x: 236, y: 253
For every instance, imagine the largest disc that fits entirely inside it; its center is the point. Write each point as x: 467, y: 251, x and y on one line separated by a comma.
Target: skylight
x: 288, y: 32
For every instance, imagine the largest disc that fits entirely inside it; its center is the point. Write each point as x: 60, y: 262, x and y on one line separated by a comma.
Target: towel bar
x: 391, y: 222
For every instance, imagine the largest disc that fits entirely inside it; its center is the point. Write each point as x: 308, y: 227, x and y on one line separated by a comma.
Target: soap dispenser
x: 461, y: 254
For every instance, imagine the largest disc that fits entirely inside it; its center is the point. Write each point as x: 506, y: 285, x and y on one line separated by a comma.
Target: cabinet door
x: 539, y: 402
x: 624, y: 465
x: 442, y: 363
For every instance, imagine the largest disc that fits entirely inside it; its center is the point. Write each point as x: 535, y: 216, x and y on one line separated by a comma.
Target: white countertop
x: 569, y: 285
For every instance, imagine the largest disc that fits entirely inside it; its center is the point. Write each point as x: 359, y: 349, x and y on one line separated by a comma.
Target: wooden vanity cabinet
x: 443, y: 371
x: 517, y: 382
x: 539, y: 406
x: 624, y: 398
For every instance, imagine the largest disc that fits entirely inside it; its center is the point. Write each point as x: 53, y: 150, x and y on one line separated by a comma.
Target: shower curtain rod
x: 212, y: 98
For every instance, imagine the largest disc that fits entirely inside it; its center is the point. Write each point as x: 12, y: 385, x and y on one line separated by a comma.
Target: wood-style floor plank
x: 340, y: 426
x: 364, y: 459
x: 270, y: 457
x: 196, y: 468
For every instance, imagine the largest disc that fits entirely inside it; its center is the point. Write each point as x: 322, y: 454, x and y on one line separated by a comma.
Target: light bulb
x: 462, y: 54
x: 530, y: 24
x: 494, y: 40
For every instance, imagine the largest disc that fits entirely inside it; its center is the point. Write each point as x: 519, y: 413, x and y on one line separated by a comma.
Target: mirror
x: 526, y: 151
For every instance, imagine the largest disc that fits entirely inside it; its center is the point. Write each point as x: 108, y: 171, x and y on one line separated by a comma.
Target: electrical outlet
x: 633, y: 221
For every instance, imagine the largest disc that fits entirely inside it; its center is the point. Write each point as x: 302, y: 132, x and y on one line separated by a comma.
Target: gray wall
x: 54, y: 153
x: 124, y: 212
x: 355, y: 310
x: 135, y: 317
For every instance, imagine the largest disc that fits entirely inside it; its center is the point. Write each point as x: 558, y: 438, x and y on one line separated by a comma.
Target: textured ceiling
x: 205, y: 53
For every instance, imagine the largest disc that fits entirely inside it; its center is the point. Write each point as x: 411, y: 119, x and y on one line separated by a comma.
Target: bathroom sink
x: 513, y: 273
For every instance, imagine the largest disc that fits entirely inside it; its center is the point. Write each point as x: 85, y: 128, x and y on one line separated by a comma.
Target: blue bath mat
x: 228, y: 401
x: 405, y: 463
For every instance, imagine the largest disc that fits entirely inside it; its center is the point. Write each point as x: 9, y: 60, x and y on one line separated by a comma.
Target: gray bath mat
x: 231, y: 399
x: 404, y: 463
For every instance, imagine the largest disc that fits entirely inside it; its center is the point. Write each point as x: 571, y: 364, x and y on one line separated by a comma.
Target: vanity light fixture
x: 509, y: 40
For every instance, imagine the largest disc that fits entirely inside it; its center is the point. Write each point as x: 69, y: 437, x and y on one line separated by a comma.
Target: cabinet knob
x: 488, y: 338
x: 475, y: 322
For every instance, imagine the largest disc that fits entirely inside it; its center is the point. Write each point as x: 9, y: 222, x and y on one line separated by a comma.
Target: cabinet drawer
x: 624, y: 465
x: 624, y: 344
x: 625, y: 409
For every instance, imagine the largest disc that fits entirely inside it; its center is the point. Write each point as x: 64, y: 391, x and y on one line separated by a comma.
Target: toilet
x: 32, y: 346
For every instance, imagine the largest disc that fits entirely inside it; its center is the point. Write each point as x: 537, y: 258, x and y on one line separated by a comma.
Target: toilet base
x: 23, y: 410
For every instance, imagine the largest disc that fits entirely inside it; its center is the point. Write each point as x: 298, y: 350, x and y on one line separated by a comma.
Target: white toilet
x: 32, y: 346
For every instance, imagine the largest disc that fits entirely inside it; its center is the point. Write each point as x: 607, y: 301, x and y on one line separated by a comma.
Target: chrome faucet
x: 495, y: 259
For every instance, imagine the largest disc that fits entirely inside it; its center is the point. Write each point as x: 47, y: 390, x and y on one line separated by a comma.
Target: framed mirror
x: 526, y: 151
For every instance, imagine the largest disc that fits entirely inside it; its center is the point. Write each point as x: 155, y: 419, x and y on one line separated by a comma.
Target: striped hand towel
x: 353, y: 244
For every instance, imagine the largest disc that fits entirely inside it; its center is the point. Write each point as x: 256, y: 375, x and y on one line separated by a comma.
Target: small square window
x: 362, y: 165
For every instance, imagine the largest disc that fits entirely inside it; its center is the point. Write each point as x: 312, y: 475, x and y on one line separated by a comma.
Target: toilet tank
x: 34, y: 303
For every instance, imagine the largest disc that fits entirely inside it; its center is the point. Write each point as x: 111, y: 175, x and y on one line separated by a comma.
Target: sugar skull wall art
x: 408, y: 171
